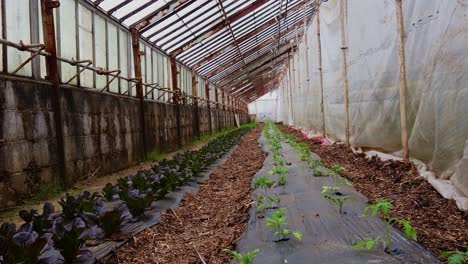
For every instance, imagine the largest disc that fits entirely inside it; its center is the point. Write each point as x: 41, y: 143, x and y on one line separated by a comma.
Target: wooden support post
x: 208, y: 103
x: 139, y: 87
x: 291, y: 82
x: 217, y: 107
x: 47, y: 8
x: 344, y: 49
x: 175, y: 88
x: 403, y: 84
x: 195, y: 103
x: 306, y: 43
x: 322, y: 108
x: 223, y: 108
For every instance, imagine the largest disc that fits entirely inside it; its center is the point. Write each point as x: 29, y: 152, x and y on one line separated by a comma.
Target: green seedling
x: 277, y: 224
x: 263, y: 199
x: 338, y: 200
x: 345, y: 182
x: 455, y: 257
x: 338, y: 168
x: 263, y: 182
x: 281, y: 172
x: 329, y: 189
x: 383, y: 208
x: 248, y: 258
x: 315, y: 165
x: 368, y: 243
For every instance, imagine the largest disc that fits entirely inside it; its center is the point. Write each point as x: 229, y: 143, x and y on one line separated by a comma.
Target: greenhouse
x: 233, y: 131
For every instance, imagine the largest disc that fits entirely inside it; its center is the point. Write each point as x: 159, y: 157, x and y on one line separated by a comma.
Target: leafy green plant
x: 383, y: 208
x: 338, y: 168
x: 247, y: 258
x: 315, y: 165
x: 455, y: 257
x: 277, y: 223
x: 263, y: 182
x: 345, y: 181
x: 368, y: 243
x: 281, y: 172
x: 338, y: 200
x: 330, y: 189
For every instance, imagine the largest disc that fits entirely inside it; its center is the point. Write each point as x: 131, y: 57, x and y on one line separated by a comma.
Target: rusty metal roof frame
x: 239, y: 45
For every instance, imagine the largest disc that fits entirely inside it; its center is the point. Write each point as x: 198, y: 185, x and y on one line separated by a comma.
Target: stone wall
x: 102, y: 134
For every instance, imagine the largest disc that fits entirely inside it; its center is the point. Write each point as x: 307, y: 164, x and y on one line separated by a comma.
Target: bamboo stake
x: 401, y: 62
x: 322, y: 109
x: 344, y: 49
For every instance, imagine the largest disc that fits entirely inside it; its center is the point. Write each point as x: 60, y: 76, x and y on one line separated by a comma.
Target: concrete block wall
x: 102, y: 134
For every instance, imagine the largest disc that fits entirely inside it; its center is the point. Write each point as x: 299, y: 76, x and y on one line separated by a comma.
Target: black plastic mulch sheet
x: 153, y: 215
x: 328, y: 236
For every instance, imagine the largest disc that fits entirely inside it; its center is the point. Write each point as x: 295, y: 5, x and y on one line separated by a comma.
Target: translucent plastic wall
x: 86, y: 34
x: 435, y: 40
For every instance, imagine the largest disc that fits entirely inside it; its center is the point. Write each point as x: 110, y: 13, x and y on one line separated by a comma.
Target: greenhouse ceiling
x: 239, y: 45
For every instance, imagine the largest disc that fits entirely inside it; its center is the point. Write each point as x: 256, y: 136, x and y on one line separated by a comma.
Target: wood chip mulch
x: 206, y: 222
x: 440, y: 225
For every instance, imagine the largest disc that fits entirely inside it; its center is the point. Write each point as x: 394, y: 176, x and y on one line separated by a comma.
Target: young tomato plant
x: 264, y: 183
x: 383, y: 208
x: 337, y: 168
x: 337, y: 200
x: 368, y: 243
x: 329, y: 189
x: 455, y: 257
x: 277, y: 224
x: 247, y: 258
x: 281, y: 172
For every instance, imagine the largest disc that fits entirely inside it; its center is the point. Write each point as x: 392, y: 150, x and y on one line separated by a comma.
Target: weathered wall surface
x: 102, y: 134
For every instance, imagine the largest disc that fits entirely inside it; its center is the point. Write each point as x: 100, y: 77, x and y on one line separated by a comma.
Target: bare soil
x: 206, y: 222
x: 440, y: 225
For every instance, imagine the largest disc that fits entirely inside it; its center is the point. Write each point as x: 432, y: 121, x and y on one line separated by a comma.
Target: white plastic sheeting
x: 436, y: 36
x: 265, y: 108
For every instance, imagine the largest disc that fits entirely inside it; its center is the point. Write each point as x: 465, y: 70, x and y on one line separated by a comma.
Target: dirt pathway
x: 206, y: 222
x: 438, y: 222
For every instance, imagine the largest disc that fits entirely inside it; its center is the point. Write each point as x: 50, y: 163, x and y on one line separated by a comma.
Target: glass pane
x: 17, y: 24
x: 86, y: 43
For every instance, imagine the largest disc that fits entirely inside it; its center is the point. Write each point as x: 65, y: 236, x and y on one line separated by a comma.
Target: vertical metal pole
x: 344, y: 49
x: 403, y: 84
x: 175, y: 88
x: 139, y: 87
x: 322, y: 108
x: 195, y: 102
x: 47, y: 8
x: 208, y: 103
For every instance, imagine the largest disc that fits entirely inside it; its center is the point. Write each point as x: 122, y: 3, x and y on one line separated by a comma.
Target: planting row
x: 266, y: 200
x: 61, y: 237
x: 278, y: 221
x: 383, y: 208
